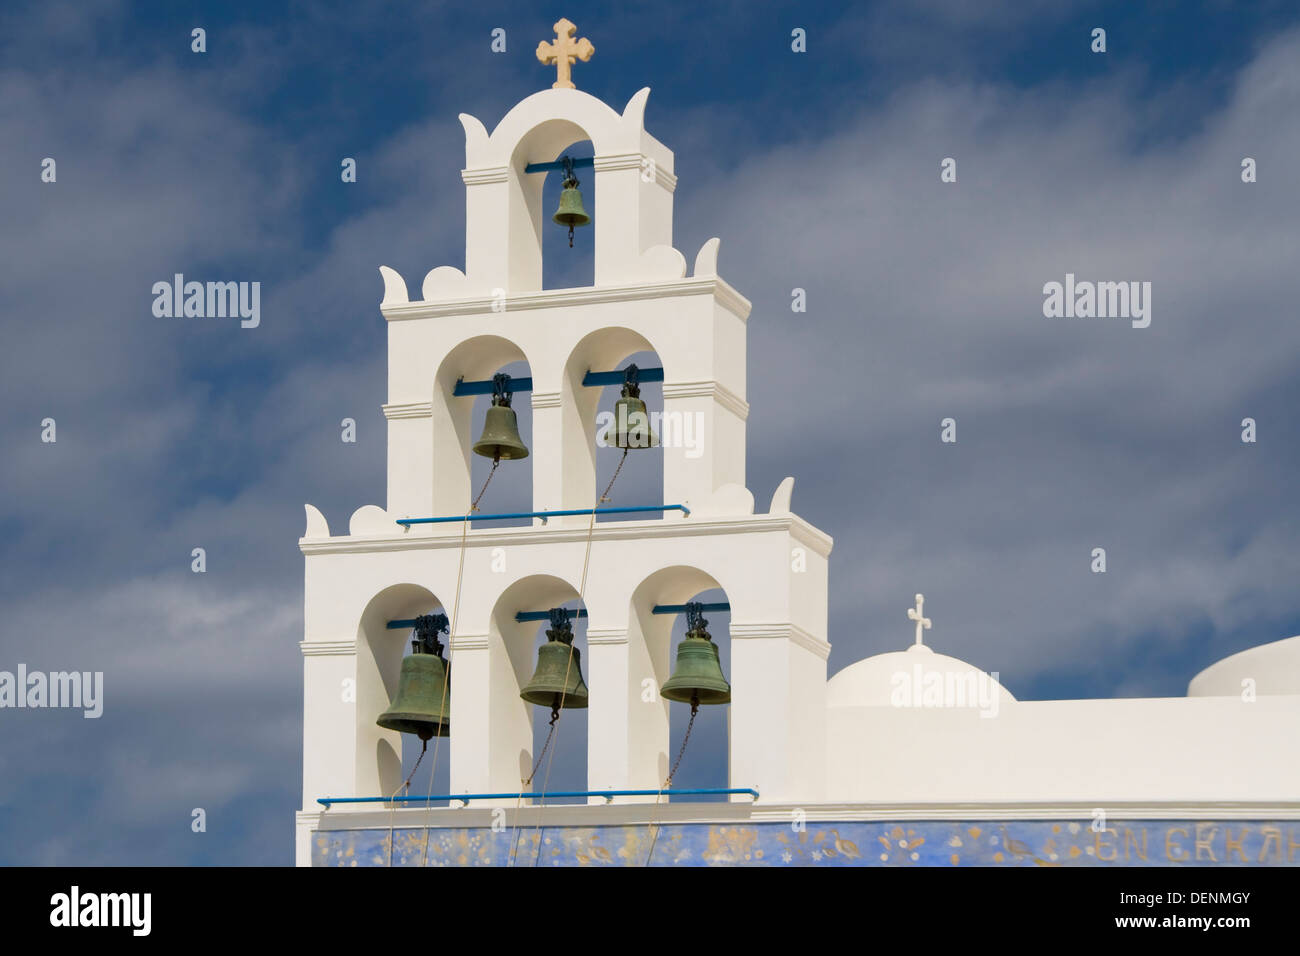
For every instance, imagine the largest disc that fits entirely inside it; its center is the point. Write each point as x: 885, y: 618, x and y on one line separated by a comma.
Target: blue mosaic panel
x: 915, y: 843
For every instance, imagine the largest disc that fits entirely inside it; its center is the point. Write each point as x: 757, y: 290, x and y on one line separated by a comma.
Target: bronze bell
x: 631, y: 425
x: 557, y: 682
x: 422, y: 703
x: 697, y: 677
x: 500, y: 438
x: 570, y: 212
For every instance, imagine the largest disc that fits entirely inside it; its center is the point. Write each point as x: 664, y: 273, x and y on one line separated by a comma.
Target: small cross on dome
x: 915, y: 614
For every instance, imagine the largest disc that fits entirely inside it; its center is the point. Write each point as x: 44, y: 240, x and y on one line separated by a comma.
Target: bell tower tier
x: 419, y: 555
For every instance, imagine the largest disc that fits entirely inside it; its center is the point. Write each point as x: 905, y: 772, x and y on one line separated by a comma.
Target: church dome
x: 915, y: 677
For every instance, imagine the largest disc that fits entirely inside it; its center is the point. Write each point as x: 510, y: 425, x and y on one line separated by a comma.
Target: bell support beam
x: 525, y: 383
x: 545, y: 615
x: 681, y: 608
x: 586, y: 162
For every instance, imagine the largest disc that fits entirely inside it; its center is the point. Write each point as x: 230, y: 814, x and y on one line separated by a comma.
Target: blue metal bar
x: 522, y: 616
x: 585, y: 163
x: 607, y: 794
x: 599, y: 379
x: 407, y: 522
x: 681, y: 608
x: 522, y: 384
x: 525, y: 383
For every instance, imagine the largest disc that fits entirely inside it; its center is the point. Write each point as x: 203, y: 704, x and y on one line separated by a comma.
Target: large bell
x: 571, y: 212
x: 500, y: 438
x: 422, y: 703
x: 557, y: 682
x: 697, y: 678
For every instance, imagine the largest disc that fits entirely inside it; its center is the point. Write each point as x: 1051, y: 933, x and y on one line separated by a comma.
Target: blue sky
x: 817, y: 170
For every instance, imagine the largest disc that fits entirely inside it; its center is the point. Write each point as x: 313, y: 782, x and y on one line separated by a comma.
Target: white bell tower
x: 464, y: 327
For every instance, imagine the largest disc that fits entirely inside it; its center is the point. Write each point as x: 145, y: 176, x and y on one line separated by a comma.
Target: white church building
x: 904, y: 758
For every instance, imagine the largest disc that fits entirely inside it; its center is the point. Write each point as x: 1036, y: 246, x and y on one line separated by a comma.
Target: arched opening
x: 589, y: 461
x: 541, y: 256
x: 563, y: 764
x: 384, y: 758
x: 518, y: 727
x: 459, y: 473
x: 705, y: 762
x: 657, y: 726
x: 565, y: 267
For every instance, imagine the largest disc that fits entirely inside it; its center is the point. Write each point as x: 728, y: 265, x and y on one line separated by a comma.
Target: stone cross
x: 914, y: 614
x: 563, y: 52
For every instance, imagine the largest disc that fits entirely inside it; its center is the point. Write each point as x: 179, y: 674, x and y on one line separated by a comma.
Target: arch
x: 650, y: 647
x: 380, y: 651
x: 601, y: 350
x: 510, y: 647
x: 473, y: 359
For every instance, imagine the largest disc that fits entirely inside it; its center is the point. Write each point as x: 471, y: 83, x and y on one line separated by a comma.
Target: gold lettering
x: 1204, y: 834
x: 1129, y: 839
x: 1171, y: 847
x: 1097, y: 846
x: 1234, y: 845
x: 1271, y: 835
x: 1291, y: 846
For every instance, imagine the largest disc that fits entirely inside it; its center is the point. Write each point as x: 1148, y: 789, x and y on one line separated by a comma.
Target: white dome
x: 915, y: 677
x: 1273, y: 668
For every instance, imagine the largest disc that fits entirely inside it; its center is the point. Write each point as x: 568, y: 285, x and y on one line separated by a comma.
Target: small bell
x: 500, y: 438
x: 557, y: 682
x: 422, y: 703
x: 570, y: 212
x: 697, y: 677
x: 631, y: 425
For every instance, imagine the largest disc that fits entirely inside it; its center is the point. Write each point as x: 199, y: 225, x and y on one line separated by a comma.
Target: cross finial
x: 563, y: 52
x: 914, y: 614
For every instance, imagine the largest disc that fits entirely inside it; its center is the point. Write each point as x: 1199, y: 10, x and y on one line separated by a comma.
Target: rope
x: 555, y: 711
x: 392, y: 810
x: 654, y: 824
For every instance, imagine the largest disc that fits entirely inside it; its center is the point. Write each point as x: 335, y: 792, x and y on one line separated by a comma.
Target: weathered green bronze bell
x: 422, y: 703
x: 557, y: 682
x: 631, y: 425
x: 571, y: 212
x: 500, y: 438
x: 697, y: 678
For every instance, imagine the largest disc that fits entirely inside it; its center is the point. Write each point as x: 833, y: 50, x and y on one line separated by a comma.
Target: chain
x: 695, y: 709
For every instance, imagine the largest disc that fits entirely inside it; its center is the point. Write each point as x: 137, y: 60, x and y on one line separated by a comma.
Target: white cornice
x: 791, y: 632
x: 709, y: 389
x: 327, y: 648
x: 635, y: 161
x: 721, y: 291
x: 792, y: 524
x: 606, y: 635
x: 485, y: 174
x: 546, y: 400
x: 408, y: 410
